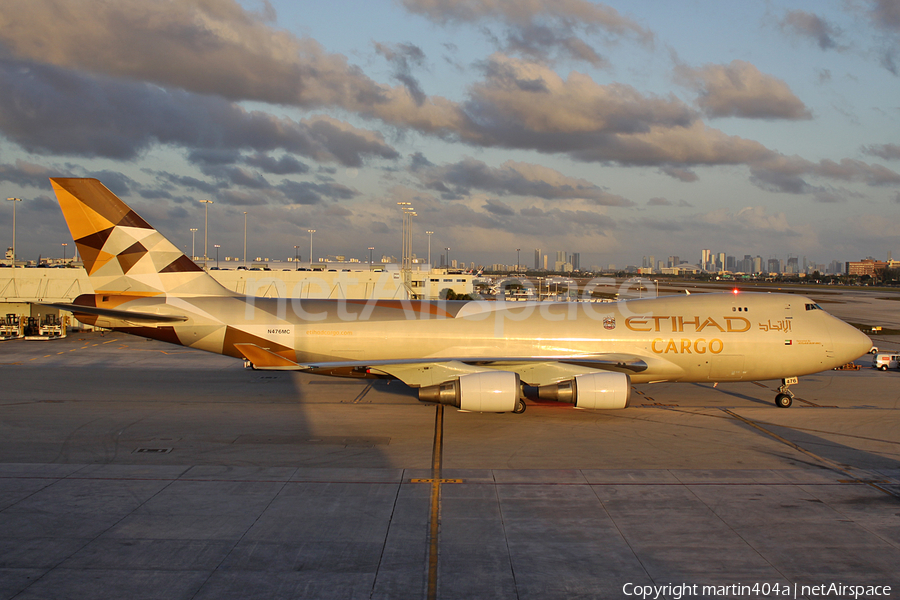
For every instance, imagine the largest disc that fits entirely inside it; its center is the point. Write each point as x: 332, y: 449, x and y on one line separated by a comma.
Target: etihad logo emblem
x: 609, y: 322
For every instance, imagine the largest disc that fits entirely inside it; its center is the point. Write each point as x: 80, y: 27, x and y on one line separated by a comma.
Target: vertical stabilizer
x: 122, y: 253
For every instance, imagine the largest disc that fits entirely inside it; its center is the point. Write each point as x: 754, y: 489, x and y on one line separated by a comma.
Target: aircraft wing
x: 538, y: 370
x: 129, y: 316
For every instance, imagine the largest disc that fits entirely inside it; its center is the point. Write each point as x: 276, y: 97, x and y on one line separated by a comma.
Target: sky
x: 617, y: 130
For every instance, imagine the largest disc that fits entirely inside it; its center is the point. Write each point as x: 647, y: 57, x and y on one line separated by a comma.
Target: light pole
x: 245, y: 239
x: 14, y: 200
x: 217, y: 256
x: 206, y: 233
x: 311, y: 232
x: 64, y: 252
x: 370, y: 256
x: 406, y: 254
x: 193, y: 251
x: 296, y: 258
x: 429, y: 247
x: 405, y: 207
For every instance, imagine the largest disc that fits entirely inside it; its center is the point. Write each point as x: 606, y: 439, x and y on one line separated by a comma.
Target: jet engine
x: 592, y: 390
x: 489, y: 391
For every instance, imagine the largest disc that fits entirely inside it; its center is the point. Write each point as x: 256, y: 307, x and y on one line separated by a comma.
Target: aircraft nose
x: 849, y: 342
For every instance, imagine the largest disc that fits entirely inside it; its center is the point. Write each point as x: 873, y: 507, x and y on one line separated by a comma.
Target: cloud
x: 682, y: 174
x: 457, y: 180
x: 808, y: 25
x: 562, y: 222
x: 539, y: 29
x: 48, y: 109
x: 305, y: 192
x: 191, y: 183
x: 886, y: 14
x: 286, y: 165
x: 659, y: 201
x: 848, y: 169
x: 539, y: 41
x: 528, y: 96
x: 739, y: 89
x: 885, y: 151
x: 403, y: 57
x: 786, y: 174
x: 302, y: 193
x: 750, y: 218
x: 525, y: 105
x: 495, y: 207
x: 207, y: 48
x: 27, y: 174
x: 172, y: 74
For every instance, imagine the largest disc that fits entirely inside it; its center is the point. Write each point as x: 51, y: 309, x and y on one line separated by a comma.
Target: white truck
x: 886, y: 360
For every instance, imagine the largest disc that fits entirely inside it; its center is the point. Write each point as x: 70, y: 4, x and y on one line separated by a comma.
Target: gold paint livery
x: 474, y: 354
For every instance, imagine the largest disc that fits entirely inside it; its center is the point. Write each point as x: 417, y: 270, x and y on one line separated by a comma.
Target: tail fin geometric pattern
x: 122, y: 253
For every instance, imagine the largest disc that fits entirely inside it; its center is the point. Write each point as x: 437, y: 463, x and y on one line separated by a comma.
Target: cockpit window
x: 813, y: 307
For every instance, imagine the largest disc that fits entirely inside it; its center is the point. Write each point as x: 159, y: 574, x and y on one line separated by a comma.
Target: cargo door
x: 726, y: 367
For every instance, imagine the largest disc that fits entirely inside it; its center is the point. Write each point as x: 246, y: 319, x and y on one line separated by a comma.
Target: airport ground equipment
x: 848, y: 367
x: 11, y: 327
x: 48, y: 327
x: 886, y: 360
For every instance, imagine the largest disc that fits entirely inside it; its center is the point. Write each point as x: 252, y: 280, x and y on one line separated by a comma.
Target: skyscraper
x: 537, y: 258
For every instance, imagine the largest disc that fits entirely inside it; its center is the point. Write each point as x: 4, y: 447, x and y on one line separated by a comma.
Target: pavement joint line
x: 89, y: 540
x: 827, y: 462
x: 429, y: 480
x: 387, y: 535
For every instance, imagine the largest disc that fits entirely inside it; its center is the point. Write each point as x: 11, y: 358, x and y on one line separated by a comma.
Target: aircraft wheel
x: 783, y: 401
x: 520, y: 407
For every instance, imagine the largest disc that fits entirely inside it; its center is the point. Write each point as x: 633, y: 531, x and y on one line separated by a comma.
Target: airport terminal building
x: 22, y: 289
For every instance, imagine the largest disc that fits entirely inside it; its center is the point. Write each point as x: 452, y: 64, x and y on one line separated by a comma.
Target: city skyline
x: 611, y: 128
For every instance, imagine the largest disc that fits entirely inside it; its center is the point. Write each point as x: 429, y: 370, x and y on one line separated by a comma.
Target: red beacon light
x: 735, y: 291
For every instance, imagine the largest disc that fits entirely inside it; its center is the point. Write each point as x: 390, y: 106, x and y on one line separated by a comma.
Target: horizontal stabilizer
x: 123, y: 315
x: 266, y: 360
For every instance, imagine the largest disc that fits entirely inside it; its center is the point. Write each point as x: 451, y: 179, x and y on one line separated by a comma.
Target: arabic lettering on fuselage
x: 783, y: 325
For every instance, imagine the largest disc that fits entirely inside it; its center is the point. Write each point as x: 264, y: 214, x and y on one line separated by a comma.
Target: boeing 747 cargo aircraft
x: 474, y: 355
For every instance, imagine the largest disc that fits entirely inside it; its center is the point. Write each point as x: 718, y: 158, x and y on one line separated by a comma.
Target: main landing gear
x: 785, y: 397
x: 520, y: 407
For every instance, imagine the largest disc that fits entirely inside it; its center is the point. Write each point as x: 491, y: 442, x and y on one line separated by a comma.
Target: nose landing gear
x: 785, y: 397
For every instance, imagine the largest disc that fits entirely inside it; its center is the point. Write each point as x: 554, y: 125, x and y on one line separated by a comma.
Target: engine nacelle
x: 607, y: 390
x: 489, y: 391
